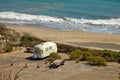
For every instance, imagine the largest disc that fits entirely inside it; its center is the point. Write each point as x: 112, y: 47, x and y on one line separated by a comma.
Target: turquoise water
x: 87, y: 15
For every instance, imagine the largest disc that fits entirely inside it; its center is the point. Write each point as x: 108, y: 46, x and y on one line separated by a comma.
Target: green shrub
x: 110, y: 56
x: 30, y: 41
x: 85, y: 55
x: 75, y: 55
x: 14, y: 37
x: 8, y: 47
x: 53, y: 56
x: 97, y: 61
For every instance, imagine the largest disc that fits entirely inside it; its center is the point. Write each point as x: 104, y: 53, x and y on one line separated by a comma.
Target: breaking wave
x: 100, y: 25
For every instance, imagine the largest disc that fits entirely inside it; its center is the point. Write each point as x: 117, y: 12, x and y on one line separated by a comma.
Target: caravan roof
x: 46, y: 44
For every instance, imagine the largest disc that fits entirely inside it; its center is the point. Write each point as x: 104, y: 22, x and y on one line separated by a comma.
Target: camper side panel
x: 49, y: 49
x: 45, y: 49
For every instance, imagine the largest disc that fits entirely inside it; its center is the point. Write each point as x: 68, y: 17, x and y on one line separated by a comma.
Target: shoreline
x: 75, y: 38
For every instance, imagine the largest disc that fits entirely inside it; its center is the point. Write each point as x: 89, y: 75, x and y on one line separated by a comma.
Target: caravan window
x: 50, y: 47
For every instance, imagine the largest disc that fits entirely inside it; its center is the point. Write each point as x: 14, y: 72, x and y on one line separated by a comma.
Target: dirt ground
x: 69, y: 71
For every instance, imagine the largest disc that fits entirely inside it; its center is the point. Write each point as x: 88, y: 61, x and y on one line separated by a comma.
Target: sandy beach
x: 76, y: 38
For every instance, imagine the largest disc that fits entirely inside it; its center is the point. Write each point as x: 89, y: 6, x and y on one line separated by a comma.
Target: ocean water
x: 88, y: 15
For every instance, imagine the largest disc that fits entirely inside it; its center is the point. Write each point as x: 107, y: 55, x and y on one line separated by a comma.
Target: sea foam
x: 111, y: 25
x: 27, y: 17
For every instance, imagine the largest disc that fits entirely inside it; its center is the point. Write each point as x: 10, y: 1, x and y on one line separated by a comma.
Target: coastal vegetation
x: 97, y: 61
x: 7, y: 47
x: 99, y: 58
x: 75, y: 55
x: 93, y: 56
x: 28, y: 40
x: 7, y: 37
x: 9, y: 34
x: 110, y: 56
x: 10, y: 39
x: 53, y: 56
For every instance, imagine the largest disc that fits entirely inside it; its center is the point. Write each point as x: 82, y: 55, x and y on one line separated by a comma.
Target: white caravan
x: 44, y: 49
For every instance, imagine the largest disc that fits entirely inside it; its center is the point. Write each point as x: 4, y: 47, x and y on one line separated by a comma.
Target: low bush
x: 53, y: 56
x: 8, y: 47
x: 75, y: 55
x: 30, y: 41
x: 110, y: 56
x: 97, y: 61
x: 85, y: 55
x: 14, y: 37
